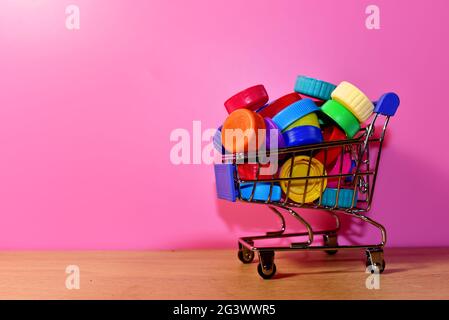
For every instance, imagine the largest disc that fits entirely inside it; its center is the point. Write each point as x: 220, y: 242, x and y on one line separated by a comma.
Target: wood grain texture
x: 218, y: 274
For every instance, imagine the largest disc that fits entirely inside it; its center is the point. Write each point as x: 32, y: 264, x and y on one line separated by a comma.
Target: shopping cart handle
x: 387, y: 104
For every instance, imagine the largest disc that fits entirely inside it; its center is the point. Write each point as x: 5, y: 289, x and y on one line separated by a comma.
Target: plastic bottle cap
x: 297, y: 187
x: 302, y: 135
x: 262, y: 191
x: 242, y: 127
x: 294, y: 112
x: 354, y: 100
x: 248, y: 171
x: 308, y: 120
x: 344, y: 198
x: 314, y: 88
x: 332, y: 133
x: 272, y: 128
x: 341, y: 116
x: 252, y: 98
x: 318, y: 102
x: 278, y: 105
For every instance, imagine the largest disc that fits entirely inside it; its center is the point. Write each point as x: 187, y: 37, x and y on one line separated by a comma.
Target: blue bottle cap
x: 262, y: 191
x: 329, y: 197
x: 314, y: 87
x: 293, y: 112
x: 302, y: 135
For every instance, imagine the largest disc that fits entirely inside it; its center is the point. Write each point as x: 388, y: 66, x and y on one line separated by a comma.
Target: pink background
x: 85, y: 116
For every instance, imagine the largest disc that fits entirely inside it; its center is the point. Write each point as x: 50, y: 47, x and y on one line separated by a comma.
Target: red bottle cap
x: 252, y: 98
x: 318, y: 102
x: 332, y: 133
x: 248, y: 171
x: 273, y: 108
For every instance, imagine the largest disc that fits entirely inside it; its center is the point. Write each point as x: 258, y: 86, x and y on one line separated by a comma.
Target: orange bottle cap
x: 243, y: 131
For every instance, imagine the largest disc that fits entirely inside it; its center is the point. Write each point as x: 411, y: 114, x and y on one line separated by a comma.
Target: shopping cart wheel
x: 330, y: 240
x: 266, y: 273
x: 375, y: 259
x: 244, y: 254
x: 266, y: 267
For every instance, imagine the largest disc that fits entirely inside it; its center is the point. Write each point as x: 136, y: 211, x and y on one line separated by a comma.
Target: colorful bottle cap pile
x: 315, y: 112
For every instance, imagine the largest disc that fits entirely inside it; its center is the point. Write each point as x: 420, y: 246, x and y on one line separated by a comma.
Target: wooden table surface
x: 218, y: 274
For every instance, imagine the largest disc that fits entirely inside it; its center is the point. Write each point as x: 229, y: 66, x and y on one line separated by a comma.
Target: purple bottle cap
x: 270, y: 125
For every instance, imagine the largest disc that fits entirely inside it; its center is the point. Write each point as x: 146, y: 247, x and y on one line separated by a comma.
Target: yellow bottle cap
x: 354, y: 100
x: 309, y: 120
x: 315, y: 186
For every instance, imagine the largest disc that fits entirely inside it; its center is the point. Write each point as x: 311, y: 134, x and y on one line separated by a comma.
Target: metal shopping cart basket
x: 351, y: 196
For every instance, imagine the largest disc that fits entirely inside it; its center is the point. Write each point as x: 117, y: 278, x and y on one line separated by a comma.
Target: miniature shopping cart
x: 365, y: 151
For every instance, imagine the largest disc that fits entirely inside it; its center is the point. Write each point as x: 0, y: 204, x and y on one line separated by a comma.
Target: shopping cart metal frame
x: 363, y: 179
